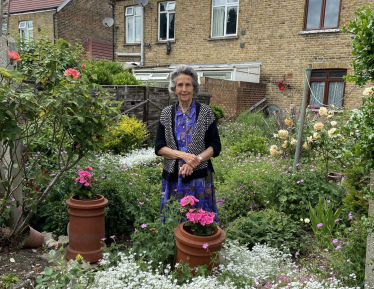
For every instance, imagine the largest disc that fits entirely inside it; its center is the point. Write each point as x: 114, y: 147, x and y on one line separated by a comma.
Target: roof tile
x: 17, y: 6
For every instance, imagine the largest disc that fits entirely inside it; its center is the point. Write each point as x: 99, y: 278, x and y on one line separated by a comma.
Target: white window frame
x: 26, y: 30
x: 132, y: 14
x: 228, y: 4
x: 170, y: 9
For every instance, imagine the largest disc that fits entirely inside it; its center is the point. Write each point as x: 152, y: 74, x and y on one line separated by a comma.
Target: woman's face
x: 184, y: 88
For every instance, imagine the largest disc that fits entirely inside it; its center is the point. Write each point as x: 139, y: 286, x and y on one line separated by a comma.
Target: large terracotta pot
x: 86, y: 228
x: 190, y: 247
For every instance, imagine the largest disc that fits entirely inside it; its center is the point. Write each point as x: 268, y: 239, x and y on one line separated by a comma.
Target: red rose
x: 83, y: 66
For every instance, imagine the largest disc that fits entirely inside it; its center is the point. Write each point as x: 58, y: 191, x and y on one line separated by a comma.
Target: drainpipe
x: 1, y: 15
x: 113, y: 26
x: 142, y: 37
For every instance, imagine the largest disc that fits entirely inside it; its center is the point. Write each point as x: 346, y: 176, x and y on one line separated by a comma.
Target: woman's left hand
x: 185, y: 170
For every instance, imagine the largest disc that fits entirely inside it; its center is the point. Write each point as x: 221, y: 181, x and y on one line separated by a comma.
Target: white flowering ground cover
x: 261, y: 267
x: 134, y: 158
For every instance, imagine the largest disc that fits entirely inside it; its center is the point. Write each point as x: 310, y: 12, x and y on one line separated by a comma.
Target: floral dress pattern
x: 201, y: 188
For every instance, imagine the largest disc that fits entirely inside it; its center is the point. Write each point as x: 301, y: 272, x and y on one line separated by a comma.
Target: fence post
x: 369, y: 267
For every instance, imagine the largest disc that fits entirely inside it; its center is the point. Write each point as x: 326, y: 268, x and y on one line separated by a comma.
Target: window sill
x: 131, y: 44
x: 317, y: 31
x: 164, y: 41
x: 223, y: 38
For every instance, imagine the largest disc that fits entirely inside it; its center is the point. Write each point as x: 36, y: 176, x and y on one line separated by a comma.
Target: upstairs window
x: 133, y: 24
x: 327, y: 87
x: 166, y: 20
x: 322, y: 14
x: 224, y: 17
x: 25, y: 30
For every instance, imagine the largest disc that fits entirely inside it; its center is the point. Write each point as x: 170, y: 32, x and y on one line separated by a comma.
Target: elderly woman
x: 187, y: 138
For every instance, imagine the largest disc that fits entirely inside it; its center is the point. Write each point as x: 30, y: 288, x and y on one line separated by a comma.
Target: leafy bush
x: 106, y: 72
x: 254, y: 119
x: 218, y: 112
x: 129, y: 134
x: 266, y: 227
x: 251, y: 143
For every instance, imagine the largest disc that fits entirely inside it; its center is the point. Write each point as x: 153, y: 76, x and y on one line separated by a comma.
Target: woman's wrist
x: 200, y: 157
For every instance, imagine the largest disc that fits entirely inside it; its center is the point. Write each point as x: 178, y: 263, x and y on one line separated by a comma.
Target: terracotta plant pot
x: 35, y: 238
x: 190, y: 247
x: 86, y: 228
x: 281, y: 87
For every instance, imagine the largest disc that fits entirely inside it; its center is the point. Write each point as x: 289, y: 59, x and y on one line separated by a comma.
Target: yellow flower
x: 323, y: 111
x: 288, y: 122
x: 368, y: 91
x: 273, y: 150
x: 284, y: 145
x: 309, y: 139
x: 275, y: 135
x: 316, y: 135
x: 318, y: 125
x: 293, y: 141
x: 283, y: 134
x: 302, y: 220
x: 305, y: 145
x: 78, y: 258
x: 331, y: 131
x: 333, y: 123
x: 307, y: 220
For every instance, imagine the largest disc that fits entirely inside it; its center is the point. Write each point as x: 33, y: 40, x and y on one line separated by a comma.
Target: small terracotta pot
x: 281, y: 87
x: 86, y: 228
x: 34, y: 240
x: 190, y: 247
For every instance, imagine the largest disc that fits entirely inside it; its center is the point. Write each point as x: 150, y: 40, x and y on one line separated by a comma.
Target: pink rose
x: 14, y: 55
x: 72, y: 73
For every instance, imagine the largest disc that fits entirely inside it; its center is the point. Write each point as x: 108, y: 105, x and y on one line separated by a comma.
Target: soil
x: 26, y: 264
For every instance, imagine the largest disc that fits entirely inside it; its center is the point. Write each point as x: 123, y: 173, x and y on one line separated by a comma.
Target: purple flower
x: 349, y: 260
x: 337, y: 220
x: 338, y: 247
x: 319, y: 225
x: 144, y: 226
x: 135, y: 231
x: 206, y: 245
x: 112, y: 237
x: 103, y: 239
x: 350, y: 217
x: 328, y: 201
x: 297, y: 253
x: 335, y: 241
x: 13, y: 199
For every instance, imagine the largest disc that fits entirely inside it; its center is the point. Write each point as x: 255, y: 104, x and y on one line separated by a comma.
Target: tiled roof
x: 17, y: 6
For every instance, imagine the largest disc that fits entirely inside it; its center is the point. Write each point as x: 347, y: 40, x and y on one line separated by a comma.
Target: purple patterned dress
x: 201, y: 188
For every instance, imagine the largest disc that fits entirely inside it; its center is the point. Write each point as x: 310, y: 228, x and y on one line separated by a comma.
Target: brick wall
x: 99, y: 49
x: 42, y: 24
x: 272, y: 36
x: 233, y: 96
x: 79, y: 20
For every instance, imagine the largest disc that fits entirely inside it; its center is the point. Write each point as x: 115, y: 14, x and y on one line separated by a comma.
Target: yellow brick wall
x: 42, y: 21
x: 272, y: 36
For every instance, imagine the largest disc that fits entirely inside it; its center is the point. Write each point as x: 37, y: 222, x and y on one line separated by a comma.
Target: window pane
x: 22, y: 25
x: 231, y: 20
x: 163, y: 26
x: 331, y: 13
x: 129, y: 29
x: 171, y: 25
x: 218, y: 2
x: 218, y: 21
x: 337, y: 74
x: 29, y: 24
x: 336, y: 90
x: 129, y: 11
x: 138, y: 10
x: 170, y: 6
x: 232, y: 1
x: 318, y: 74
x: 314, y: 14
x: 316, y: 94
x: 163, y: 6
x: 137, y: 28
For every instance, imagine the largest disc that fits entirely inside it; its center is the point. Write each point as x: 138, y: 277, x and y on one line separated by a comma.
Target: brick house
x: 72, y: 20
x: 239, y: 41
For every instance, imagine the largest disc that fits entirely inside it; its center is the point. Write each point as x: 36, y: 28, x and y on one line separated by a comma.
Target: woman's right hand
x: 191, y: 160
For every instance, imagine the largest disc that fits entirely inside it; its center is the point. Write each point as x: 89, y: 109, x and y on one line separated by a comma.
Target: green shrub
x: 254, y: 119
x: 268, y: 226
x: 218, y: 112
x: 251, y: 143
x: 106, y: 72
x: 128, y: 135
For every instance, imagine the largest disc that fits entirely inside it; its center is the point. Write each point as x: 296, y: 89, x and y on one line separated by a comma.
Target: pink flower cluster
x: 188, y: 200
x: 72, y: 73
x: 200, y: 216
x: 85, y: 177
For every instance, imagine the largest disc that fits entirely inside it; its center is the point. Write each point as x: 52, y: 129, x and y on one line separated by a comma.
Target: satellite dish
x: 142, y: 2
x: 108, y: 22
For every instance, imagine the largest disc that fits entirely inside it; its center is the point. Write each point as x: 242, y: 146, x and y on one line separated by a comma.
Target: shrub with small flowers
x: 86, y: 181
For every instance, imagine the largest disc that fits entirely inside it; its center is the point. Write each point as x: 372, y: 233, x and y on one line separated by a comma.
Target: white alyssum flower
x: 134, y: 158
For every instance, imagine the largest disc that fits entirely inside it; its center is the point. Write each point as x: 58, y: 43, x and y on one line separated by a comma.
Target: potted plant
x: 281, y: 85
x: 199, y: 238
x: 86, y: 219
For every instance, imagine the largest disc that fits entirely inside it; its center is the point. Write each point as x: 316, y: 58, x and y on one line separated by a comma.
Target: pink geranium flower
x: 188, y: 200
x: 72, y: 73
